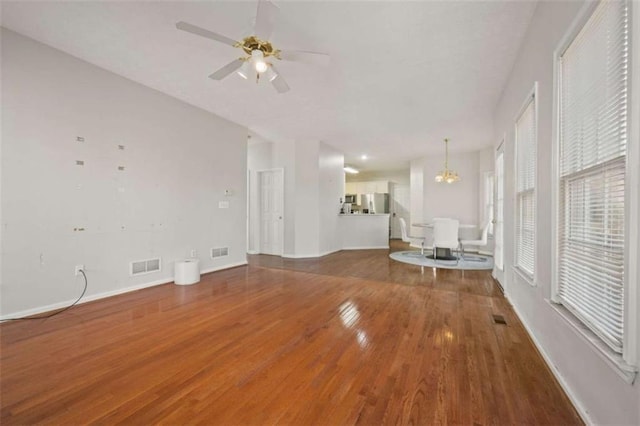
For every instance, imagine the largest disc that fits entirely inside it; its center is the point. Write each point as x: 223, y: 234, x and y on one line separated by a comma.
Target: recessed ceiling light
x: 364, y: 156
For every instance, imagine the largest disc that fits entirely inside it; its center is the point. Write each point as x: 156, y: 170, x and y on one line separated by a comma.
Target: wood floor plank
x: 350, y: 338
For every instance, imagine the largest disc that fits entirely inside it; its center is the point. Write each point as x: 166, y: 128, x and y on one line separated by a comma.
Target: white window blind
x: 593, y: 77
x: 488, y: 200
x: 525, y: 188
x: 498, y: 239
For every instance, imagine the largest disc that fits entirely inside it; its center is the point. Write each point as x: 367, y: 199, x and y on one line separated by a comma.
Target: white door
x: 400, y: 206
x: 271, y: 202
x: 499, y: 218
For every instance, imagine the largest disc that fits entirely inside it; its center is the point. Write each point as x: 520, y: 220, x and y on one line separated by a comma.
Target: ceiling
x: 403, y: 75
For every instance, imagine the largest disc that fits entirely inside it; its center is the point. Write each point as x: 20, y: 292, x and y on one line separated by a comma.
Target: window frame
x: 531, y: 96
x: 625, y: 364
x: 488, y: 202
x: 499, y: 202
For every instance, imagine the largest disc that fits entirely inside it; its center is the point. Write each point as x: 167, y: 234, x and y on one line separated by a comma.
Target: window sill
x: 614, y: 360
x: 524, y: 276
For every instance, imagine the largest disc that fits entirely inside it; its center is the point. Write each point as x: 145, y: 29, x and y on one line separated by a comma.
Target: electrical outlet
x: 78, y: 268
x: 194, y: 253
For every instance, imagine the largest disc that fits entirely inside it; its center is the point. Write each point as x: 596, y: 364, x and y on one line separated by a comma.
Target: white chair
x: 445, y: 235
x: 408, y: 239
x: 478, y: 243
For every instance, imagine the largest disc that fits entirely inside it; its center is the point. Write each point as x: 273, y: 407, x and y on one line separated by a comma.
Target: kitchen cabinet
x: 368, y: 187
x: 382, y: 186
x: 351, y: 188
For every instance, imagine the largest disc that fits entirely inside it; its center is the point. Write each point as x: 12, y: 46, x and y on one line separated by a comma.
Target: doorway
x: 271, y: 211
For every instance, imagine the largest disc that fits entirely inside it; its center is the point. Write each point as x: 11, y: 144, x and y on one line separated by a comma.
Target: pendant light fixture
x: 448, y: 176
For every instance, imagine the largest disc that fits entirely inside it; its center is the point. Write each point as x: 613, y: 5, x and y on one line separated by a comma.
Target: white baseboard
x: 301, y: 256
x: 367, y: 248
x: 330, y: 252
x: 309, y: 255
x: 582, y: 412
x: 103, y: 295
x: 90, y: 298
x: 253, y: 252
x: 220, y: 268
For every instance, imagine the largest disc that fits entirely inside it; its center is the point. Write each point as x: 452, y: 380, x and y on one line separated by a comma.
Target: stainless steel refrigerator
x: 374, y: 203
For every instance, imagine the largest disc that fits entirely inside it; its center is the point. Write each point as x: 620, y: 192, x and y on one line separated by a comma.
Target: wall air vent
x: 219, y: 252
x: 147, y: 266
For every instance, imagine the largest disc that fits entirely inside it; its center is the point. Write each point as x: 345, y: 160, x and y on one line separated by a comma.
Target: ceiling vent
x: 147, y: 266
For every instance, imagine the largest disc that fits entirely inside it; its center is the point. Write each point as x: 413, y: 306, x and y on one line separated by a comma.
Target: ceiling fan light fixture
x: 256, y: 49
x: 245, y: 70
x: 257, y: 57
x: 271, y: 74
x: 261, y: 66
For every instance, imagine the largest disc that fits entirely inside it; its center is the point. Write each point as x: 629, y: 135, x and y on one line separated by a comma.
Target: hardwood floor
x: 351, y: 338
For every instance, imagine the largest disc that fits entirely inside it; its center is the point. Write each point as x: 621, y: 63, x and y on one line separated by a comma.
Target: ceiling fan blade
x: 278, y: 82
x: 265, y: 19
x: 190, y: 28
x: 306, y: 57
x: 227, y: 69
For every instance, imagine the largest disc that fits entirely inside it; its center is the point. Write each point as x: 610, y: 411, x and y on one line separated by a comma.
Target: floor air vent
x: 219, y: 252
x: 499, y: 319
x: 145, y: 266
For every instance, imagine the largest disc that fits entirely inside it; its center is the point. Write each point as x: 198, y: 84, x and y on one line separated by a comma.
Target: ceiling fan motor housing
x: 251, y: 43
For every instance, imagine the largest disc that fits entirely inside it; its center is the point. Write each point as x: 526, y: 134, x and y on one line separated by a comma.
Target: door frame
x: 498, y: 273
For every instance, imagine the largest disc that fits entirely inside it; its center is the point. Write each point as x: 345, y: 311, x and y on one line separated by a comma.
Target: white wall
x: 284, y: 156
x: 259, y: 157
x: 416, y: 190
x: 599, y: 393
x: 331, y: 165
x: 314, y: 183
x: 459, y: 200
x: 307, y: 199
x: 178, y: 161
x: 394, y: 176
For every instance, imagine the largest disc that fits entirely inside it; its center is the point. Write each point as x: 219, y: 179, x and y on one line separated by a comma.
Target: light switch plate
x: 223, y: 205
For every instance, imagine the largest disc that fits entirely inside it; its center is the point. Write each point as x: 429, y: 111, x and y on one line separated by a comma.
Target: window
x: 487, y: 214
x: 498, y: 240
x: 525, y: 187
x: 591, y: 169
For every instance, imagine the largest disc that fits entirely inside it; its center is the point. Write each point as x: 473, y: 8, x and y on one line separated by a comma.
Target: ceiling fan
x: 258, y: 52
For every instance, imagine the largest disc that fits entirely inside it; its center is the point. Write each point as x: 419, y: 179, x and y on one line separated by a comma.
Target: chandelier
x: 446, y: 175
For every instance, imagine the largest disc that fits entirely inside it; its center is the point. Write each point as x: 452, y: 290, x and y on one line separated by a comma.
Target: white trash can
x: 187, y: 271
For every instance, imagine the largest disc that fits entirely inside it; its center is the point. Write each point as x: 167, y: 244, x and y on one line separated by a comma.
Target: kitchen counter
x: 368, y: 231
